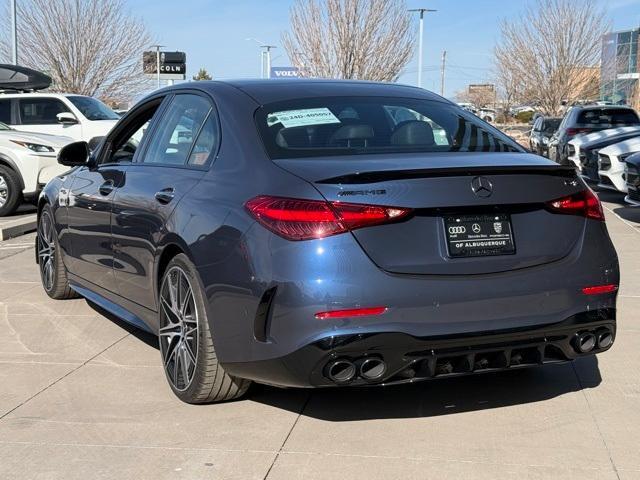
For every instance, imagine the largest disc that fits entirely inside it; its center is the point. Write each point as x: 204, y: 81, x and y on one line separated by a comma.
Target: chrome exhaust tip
x: 341, y: 371
x: 605, y: 339
x: 372, y: 368
x: 585, y: 342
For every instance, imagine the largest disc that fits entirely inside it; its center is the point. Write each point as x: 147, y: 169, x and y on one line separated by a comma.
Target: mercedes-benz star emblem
x: 482, y: 187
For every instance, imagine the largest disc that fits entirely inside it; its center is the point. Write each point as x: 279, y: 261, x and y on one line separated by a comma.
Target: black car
x: 587, y: 119
x: 542, y: 131
x: 308, y: 233
x: 633, y: 179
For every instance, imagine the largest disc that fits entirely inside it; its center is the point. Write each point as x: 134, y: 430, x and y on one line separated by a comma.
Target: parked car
x: 611, y: 163
x: 575, y: 147
x: 27, y: 163
x: 487, y: 114
x: 632, y: 179
x: 302, y: 237
x: 76, y: 116
x: 586, y: 119
x: 543, y: 129
x: 589, y: 154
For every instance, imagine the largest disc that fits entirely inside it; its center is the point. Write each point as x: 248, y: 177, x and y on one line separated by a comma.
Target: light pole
x: 422, y: 12
x: 14, y: 32
x: 158, y: 47
x: 265, y: 57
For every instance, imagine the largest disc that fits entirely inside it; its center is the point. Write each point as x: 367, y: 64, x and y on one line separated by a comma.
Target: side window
x: 173, y: 140
x: 206, y: 143
x: 126, y: 144
x: 40, y: 111
x: 537, y: 126
x: 5, y: 111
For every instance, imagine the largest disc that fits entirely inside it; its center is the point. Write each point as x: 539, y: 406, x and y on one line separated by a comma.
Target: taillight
x: 297, y: 219
x: 584, y: 203
x: 575, y: 131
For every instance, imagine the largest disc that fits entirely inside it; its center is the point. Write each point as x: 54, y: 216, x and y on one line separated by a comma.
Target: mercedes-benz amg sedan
x: 309, y: 233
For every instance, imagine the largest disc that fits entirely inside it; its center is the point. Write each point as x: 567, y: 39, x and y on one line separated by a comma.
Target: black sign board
x: 173, y: 65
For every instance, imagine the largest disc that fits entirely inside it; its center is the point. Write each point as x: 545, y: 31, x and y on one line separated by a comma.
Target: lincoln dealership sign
x: 173, y: 65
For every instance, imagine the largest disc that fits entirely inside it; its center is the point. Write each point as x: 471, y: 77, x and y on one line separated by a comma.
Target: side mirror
x: 67, y: 118
x: 74, y: 154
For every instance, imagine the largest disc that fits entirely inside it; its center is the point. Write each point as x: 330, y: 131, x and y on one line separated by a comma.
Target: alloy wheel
x: 178, y: 328
x: 4, y: 191
x: 46, y: 251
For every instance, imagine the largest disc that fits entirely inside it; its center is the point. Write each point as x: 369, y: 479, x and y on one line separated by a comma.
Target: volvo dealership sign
x: 173, y: 65
x: 284, y: 72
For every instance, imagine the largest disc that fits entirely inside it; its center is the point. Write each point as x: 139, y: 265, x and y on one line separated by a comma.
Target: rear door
x: 39, y: 114
x: 173, y: 162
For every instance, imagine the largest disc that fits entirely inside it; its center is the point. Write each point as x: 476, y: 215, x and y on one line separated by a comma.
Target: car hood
x: 631, y: 145
x: 583, y: 140
x: 32, y: 137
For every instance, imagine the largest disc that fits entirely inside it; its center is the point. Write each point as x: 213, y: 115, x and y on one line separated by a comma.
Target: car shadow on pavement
x: 421, y: 399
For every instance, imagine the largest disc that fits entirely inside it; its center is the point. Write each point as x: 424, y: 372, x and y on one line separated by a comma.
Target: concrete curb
x: 10, y: 228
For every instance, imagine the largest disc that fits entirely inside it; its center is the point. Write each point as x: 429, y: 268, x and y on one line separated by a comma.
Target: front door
x: 91, y: 195
x: 170, y: 166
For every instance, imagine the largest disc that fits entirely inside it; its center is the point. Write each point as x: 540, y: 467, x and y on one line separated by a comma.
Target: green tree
x: 202, y: 75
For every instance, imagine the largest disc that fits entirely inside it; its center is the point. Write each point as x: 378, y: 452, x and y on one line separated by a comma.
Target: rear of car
x: 590, y: 119
x: 429, y: 245
x: 611, y: 163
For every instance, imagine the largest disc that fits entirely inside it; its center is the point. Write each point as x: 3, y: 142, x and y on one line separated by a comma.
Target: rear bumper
x: 407, y: 358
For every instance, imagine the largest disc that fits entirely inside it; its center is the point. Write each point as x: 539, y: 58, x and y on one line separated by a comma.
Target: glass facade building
x: 619, y: 65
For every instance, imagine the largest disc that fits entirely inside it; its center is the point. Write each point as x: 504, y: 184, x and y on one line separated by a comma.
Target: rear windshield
x: 551, y: 123
x: 608, y: 116
x: 326, y: 126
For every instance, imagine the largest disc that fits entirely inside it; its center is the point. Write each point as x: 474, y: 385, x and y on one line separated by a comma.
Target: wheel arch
x: 172, y: 246
x: 8, y: 162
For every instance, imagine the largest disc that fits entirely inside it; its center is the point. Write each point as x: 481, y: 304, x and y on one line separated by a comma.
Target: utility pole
x: 14, y: 32
x: 442, y: 67
x: 420, y: 39
x: 157, y: 47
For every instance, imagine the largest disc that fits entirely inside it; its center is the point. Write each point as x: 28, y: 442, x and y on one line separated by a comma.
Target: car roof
x: 38, y: 94
x: 274, y: 90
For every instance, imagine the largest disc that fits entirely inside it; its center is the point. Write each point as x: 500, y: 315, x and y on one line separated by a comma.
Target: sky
x: 213, y: 33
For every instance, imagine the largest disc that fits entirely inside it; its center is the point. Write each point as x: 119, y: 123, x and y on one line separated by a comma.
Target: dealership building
x: 619, y: 65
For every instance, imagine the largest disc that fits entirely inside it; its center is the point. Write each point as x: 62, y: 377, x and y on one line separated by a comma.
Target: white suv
x: 76, y: 116
x: 27, y: 162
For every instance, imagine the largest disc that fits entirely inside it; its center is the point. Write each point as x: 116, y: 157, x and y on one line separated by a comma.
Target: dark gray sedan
x: 310, y: 233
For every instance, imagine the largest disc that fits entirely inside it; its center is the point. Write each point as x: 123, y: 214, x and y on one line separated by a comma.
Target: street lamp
x: 14, y: 32
x: 422, y: 12
x: 264, y: 55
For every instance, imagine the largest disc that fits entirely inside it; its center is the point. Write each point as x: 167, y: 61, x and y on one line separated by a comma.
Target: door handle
x: 106, y: 188
x: 165, y: 195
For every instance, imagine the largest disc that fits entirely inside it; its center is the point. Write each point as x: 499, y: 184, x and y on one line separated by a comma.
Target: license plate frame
x: 479, y: 235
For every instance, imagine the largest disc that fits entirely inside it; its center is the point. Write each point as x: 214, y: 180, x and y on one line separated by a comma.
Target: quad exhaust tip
x: 605, y: 339
x: 372, y: 368
x: 341, y: 371
x: 585, y: 342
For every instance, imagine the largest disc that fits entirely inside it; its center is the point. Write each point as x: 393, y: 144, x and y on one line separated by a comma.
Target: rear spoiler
x: 389, y: 175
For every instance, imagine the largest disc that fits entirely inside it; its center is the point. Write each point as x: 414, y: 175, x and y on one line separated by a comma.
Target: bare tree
x: 89, y: 47
x: 552, y: 51
x: 358, y: 39
x: 478, y: 97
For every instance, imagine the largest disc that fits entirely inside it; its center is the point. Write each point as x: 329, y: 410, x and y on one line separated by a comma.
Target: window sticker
x: 300, y: 118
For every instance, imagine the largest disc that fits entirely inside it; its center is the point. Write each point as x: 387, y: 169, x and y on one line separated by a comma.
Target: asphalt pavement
x: 83, y: 396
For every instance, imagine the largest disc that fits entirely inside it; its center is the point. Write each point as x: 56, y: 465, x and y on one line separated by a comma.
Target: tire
x: 184, y: 327
x: 53, y: 273
x: 10, y: 191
